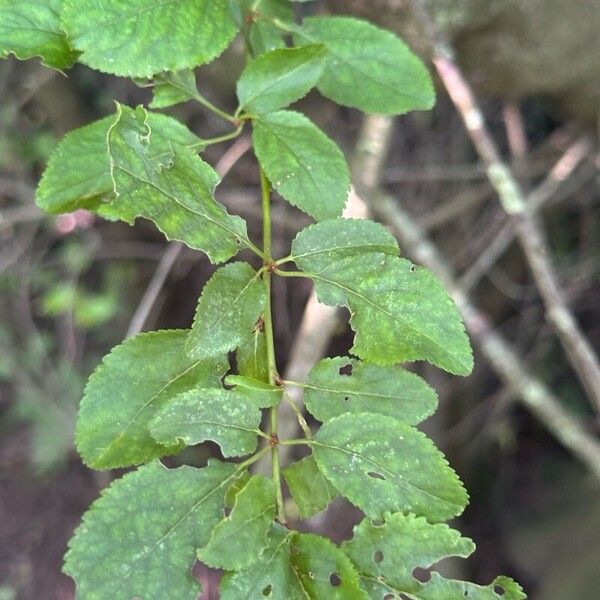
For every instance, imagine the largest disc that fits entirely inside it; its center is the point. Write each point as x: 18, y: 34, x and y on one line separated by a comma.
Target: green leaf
x: 177, y: 195
x: 296, y: 566
x: 324, y: 570
x: 253, y: 10
x: 318, y: 245
x: 279, y: 77
x: 139, y: 539
x: 262, y: 394
x: 228, y: 309
x: 128, y: 388
x: 438, y: 588
x: 263, y: 35
x: 368, y: 68
x: 383, y: 465
x: 31, y: 28
x: 271, y: 576
x: 399, y: 312
x: 78, y: 173
x: 142, y: 37
x: 174, y: 88
x: 235, y: 488
x: 302, y: 163
x: 311, y: 492
x: 387, y: 554
x: 222, y: 416
x: 239, y: 539
x: 391, y: 391
x: 249, y: 383
x: 251, y: 356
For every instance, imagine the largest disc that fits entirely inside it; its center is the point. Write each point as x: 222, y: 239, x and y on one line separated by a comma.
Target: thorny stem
x: 268, y: 321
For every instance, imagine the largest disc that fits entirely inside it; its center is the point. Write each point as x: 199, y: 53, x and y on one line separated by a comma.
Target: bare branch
x: 528, y: 230
x: 555, y: 182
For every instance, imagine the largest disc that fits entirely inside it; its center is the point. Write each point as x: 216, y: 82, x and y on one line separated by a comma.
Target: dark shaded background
x: 69, y: 285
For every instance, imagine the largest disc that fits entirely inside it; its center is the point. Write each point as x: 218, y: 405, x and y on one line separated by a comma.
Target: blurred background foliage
x: 69, y: 286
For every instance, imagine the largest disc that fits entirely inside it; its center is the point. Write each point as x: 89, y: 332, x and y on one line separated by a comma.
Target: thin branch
x: 555, y: 182
x: 512, y: 198
x: 154, y: 288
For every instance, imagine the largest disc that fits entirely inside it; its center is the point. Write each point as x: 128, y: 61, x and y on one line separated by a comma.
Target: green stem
x: 216, y: 140
x: 291, y: 274
x: 253, y: 459
x: 298, y: 442
x: 285, y: 259
x: 202, y: 100
x: 299, y: 416
x: 268, y: 320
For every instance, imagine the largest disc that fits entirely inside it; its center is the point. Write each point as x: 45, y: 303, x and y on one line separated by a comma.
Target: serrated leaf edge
x: 358, y: 416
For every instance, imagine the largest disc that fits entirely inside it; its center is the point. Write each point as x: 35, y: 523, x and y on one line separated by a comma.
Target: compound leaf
x: 31, y: 28
x: 126, y: 390
x: 317, y: 246
x: 177, y: 194
x: 239, y: 539
x: 228, y: 309
x: 368, y: 68
x: 399, y: 312
x: 390, y: 391
x: 142, y: 37
x: 78, y: 173
x: 279, y: 77
x: 311, y: 492
x: 173, y: 88
x: 387, y: 554
x: 383, y: 465
x: 302, y: 163
x: 139, y: 539
x: 222, y: 416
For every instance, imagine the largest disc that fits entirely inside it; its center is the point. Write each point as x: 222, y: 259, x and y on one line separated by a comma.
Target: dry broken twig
x: 528, y: 229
